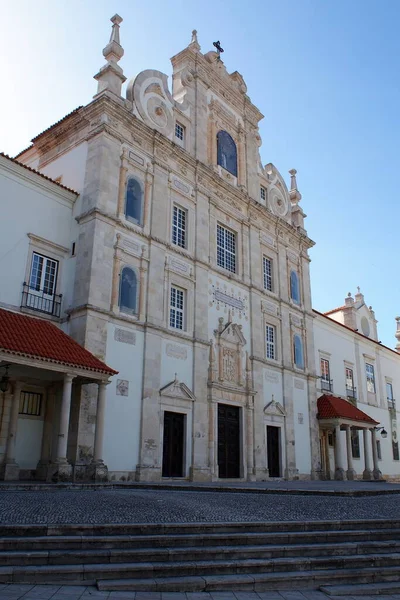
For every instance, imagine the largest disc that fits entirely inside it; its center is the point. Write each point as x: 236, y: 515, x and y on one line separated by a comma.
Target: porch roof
x: 22, y: 335
x: 332, y: 407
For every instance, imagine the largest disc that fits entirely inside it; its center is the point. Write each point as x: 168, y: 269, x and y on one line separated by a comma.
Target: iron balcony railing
x: 351, y: 392
x: 391, y: 403
x: 40, y: 301
x: 327, y: 385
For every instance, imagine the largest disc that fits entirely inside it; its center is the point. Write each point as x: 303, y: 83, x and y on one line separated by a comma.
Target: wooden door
x: 273, y: 451
x: 173, y: 444
x: 228, y: 441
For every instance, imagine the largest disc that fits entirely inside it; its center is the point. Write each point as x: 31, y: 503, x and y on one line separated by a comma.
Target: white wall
x: 31, y: 208
x: 71, y: 166
x: 123, y: 413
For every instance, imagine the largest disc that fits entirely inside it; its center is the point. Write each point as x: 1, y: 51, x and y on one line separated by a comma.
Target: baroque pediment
x: 176, y: 389
x: 231, y: 332
x: 274, y: 408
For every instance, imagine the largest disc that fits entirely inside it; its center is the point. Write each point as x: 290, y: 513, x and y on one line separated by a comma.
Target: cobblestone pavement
x: 162, y: 506
x: 70, y: 592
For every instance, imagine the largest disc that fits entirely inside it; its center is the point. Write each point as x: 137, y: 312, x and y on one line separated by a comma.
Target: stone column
x: 250, y: 442
x: 100, y: 472
x: 367, y: 474
x: 376, y: 472
x: 339, y: 470
x: 48, y: 423
x: 350, y: 470
x: 327, y: 461
x: 10, y: 467
x: 213, y: 441
x: 64, y: 469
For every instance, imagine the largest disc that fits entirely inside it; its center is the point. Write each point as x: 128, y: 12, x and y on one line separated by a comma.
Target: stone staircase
x: 203, y: 557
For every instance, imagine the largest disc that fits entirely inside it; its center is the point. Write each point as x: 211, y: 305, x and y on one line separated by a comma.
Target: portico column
x: 62, y: 470
x: 327, y: 461
x: 11, y: 467
x: 350, y: 470
x: 339, y: 470
x: 377, y: 474
x: 99, y: 433
x: 367, y: 474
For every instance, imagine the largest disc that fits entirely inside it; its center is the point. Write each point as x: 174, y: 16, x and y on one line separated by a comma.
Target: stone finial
x: 397, y: 334
x: 111, y: 77
x: 349, y: 301
x: 294, y: 193
x: 359, y: 297
x: 194, y: 41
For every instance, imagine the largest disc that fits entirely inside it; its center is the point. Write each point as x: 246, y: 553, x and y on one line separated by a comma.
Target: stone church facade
x: 189, y: 276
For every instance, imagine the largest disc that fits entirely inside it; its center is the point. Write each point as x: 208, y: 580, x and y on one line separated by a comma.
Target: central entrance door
x: 228, y: 441
x: 273, y: 451
x: 173, y: 444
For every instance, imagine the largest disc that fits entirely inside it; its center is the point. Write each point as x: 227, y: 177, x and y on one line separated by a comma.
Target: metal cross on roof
x: 218, y: 47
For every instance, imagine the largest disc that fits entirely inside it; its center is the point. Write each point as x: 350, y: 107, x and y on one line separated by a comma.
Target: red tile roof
x: 331, y: 407
x: 38, y: 173
x: 73, y: 112
x: 22, y: 335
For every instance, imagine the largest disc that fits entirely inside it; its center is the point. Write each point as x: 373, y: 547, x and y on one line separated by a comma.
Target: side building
x: 356, y: 373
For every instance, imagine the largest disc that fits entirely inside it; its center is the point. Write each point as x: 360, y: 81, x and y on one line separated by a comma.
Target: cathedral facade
x: 188, y: 273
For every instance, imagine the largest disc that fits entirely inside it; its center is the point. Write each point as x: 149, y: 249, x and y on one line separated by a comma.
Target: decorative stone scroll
x: 267, y: 239
x: 179, y: 266
x: 122, y: 387
x: 181, y: 186
x: 221, y: 298
x: 124, y: 336
x: 136, y: 158
x: 131, y: 247
x: 295, y: 320
x: 292, y: 256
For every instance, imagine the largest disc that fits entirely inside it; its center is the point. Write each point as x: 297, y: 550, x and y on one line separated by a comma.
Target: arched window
x: 128, y: 291
x: 294, y: 287
x: 133, y: 202
x: 298, y: 351
x: 227, y: 153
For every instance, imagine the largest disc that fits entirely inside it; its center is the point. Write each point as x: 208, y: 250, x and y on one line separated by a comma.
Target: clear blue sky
x: 325, y: 73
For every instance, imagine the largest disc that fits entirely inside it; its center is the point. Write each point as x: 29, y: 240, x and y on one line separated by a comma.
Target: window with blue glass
x: 226, y: 152
x: 298, y: 351
x: 294, y: 287
x: 128, y: 291
x: 134, y: 200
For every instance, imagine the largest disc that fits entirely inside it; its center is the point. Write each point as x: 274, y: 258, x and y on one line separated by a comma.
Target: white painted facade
x: 213, y: 391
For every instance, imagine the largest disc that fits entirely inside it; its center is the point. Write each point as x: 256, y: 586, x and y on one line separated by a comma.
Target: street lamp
x: 383, y: 431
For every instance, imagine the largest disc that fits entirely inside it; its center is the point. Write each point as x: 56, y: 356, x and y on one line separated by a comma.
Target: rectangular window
x: 355, y: 444
x: 270, y: 341
x: 370, y: 378
x: 389, y: 391
x: 263, y: 194
x: 180, y: 133
x: 179, y: 227
x: 379, y: 449
x: 177, y: 308
x: 43, y: 274
x: 226, y: 249
x: 30, y: 404
x: 325, y: 375
x: 267, y: 272
x: 395, y: 448
x: 349, y: 378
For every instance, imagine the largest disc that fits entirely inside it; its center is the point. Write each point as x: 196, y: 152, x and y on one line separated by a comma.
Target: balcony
x: 39, y: 301
x: 351, y: 393
x: 391, y: 402
x: 326, y: 385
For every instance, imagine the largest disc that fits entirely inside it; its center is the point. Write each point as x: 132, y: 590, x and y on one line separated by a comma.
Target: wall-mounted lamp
x: 4, y: 380
x: 383, y: 431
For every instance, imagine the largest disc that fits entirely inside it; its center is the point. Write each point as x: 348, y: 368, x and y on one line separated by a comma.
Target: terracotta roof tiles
x: 23, y: 335
x: 38, y: 173
x: 332, y: 407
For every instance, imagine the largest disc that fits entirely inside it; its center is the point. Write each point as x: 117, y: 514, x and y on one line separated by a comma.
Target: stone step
x: 362, y: 589
x: 37, y: 530
x: 166, y: 554
x: 251, y: 581
x: 155, y: 570
x: 167, y: 540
